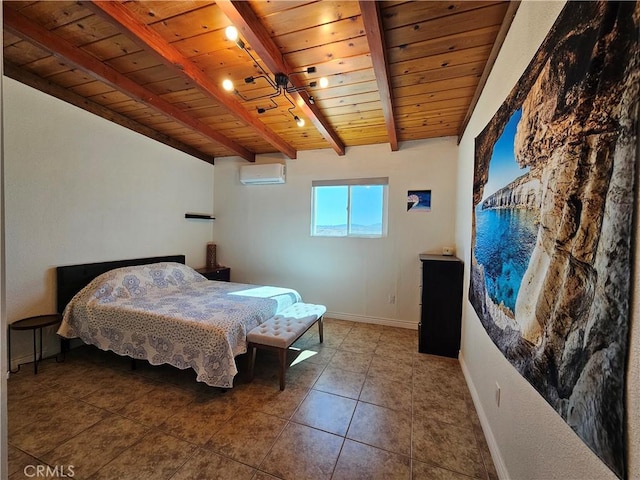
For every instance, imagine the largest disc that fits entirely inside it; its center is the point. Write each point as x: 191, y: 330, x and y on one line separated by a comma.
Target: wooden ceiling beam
x: 119, y: 14
x: 375, y: 36
x: 42, y: 84
x: 68, y: 53
x: 248, y: 24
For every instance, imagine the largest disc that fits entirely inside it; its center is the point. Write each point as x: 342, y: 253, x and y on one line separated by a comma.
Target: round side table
x: 32, y: 323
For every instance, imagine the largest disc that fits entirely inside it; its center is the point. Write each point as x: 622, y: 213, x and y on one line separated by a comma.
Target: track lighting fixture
x: 280, y: 82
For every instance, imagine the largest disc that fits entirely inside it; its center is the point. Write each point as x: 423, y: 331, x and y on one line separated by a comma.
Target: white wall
x: 263, y: 231
x: 528, y: 439
x: 80, y: 189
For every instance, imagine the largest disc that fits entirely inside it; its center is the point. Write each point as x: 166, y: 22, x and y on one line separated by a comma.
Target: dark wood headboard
x: 73, y: 278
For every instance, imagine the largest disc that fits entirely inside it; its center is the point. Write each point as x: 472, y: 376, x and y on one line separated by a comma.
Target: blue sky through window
x: 366, y: 205
x: 331, y: 213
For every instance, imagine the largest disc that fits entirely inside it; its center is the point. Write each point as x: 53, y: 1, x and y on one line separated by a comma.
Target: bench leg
x: 320, y: 328
x: 252, y: 360
x: 283, y: 366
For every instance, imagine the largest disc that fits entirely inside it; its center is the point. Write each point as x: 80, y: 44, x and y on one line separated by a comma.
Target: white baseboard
x: 28, y: 358
x: 498, y: 461
x: 21, y: 360
x: 388, y: 322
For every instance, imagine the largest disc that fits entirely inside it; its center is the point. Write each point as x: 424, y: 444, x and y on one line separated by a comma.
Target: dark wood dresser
x: 441, y: 312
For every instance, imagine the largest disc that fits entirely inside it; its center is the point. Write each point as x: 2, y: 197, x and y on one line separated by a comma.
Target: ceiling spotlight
x: 312, y: 100
x: 324, y: 82
x: 299, y: 121
x: 231, y: 33
x: 227, y: 85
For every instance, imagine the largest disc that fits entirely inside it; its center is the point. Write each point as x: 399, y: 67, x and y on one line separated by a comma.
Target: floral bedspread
x: 169, y: 313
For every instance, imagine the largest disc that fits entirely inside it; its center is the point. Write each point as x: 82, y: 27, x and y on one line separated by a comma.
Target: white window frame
x: 384, y: 181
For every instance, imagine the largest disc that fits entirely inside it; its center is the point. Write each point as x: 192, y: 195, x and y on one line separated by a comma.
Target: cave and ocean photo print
x: 553, y: 209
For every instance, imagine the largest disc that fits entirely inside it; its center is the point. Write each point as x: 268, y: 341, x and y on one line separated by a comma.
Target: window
x: 349, y: 208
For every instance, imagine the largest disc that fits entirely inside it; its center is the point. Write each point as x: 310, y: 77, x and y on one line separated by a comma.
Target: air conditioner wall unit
x: 262, y: 174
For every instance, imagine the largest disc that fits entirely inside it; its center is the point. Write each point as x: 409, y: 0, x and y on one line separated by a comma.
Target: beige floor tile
x: 254, y: 430
x: 445, y: 408
x: 18, y: 460
x: 381, y: 427
x: 340, y: 382
x: 387, y: 393
x: 363, y: 462
x: 118, y: 392
x: 400, y: 332
x: 368, y: 327
x: 34, y: 409
x: 282, y: 403
x: 327, y: 412
x: 39, y: 470
x: 436, y: 367
x: 210, y: 466
x: 484, y: 449
x: 247, y: 437
x: 22, y: 385
x: 448, y: 446
x: 423, y: 471
x: 398, y: 370
x: 200, y: 420
x: 263, y: 476
x: 80, y: 381
x: 157, y: 405
x: 63, y: 423
x: 439, y: 372
x: 96, y: 446
x: 396, y: 349
x: 303, y: 374
x: 155, y: 457
x: 266, y: 396
x: 337, y: 327
x: 358, y: 344
x: 364, y: 334
x: 319, y: 354
x: 303, y: 453
x: 333, y: 341
x: 351, y: 361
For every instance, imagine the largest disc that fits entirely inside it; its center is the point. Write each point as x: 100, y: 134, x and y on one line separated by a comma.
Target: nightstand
x: 32, y: 323
x: 221, y: 274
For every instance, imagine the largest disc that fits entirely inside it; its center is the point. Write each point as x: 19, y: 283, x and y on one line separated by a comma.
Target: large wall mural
x: 553, y: 220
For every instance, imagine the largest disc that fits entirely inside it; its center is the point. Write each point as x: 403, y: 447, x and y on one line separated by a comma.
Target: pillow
x: 135, y: 281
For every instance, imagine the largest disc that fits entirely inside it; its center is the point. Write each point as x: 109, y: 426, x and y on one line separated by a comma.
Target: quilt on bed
x: 169, y: 313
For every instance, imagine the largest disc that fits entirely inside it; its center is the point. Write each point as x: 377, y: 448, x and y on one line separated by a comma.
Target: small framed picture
x: 419, y: 201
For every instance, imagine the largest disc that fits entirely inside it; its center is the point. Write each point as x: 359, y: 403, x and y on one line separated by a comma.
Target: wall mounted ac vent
x: 262, y: 174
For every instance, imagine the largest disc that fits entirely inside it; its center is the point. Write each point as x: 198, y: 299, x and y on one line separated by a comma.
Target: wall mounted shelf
x: 201, y: 216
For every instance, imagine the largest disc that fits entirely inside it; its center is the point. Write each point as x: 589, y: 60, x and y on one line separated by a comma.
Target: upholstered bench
x: 279, y: 333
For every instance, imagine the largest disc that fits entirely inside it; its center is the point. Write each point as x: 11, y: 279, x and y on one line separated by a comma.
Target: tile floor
x: 363, y: 405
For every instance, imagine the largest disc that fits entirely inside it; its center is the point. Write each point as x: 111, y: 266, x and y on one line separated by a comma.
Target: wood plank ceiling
x: 396, y: 70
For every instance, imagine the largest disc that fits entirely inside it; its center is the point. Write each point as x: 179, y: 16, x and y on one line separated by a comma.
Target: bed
x: 160, y: 310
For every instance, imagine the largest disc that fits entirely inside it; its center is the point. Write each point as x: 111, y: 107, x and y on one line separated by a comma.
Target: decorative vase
x: 211, y: 255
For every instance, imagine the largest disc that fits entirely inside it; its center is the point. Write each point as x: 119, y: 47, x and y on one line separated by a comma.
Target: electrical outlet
x: 392, y: 299
x: 497, y: 394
